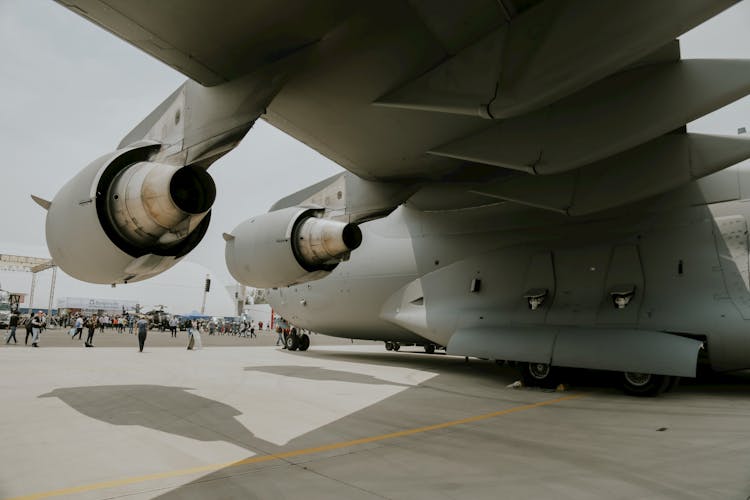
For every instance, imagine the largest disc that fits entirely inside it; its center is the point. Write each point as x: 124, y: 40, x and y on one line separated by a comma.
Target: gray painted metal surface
x: 515, y: 166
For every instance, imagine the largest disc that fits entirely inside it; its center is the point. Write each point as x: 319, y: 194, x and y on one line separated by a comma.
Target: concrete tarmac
x: 350, y: 422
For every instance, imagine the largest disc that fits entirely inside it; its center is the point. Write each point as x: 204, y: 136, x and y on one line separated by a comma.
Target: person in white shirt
x: 79, y: 328
x: 36, y: 328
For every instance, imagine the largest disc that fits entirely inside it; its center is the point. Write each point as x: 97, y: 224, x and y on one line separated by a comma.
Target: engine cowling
x: 287, y: 247
x: 124, y: 218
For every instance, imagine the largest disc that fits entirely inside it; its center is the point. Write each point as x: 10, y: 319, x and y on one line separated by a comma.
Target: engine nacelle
x: 288, y: 246
x: 123, y: 218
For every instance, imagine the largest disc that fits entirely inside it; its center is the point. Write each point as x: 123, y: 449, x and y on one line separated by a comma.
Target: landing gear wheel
x: 672, y: 385
x: 396, y: 346
x: 304, y: 342
x: 388, y: 345
x: 539, y: 375
x: 645, y: 384
x: 429, y: 348
x: 292, y: 343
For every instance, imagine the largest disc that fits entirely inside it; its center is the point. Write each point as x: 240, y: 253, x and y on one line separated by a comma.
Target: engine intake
x: 287, y: 247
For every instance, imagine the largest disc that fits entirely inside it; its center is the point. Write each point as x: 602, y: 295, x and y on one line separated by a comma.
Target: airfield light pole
x: 52, y: 293
x: 206, y: 289
x: 31, y: 294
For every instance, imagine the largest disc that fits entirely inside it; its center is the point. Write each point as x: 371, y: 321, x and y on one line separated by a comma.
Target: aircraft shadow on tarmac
x: 321, y: 374
x: 177, y: 411
x: 173, y: 410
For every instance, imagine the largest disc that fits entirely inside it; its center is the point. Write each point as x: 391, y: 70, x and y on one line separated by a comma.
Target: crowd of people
x: 34, y: 325
x: 136, y: 324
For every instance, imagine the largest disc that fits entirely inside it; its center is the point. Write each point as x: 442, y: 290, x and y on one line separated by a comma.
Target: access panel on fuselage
x: 580, y: 277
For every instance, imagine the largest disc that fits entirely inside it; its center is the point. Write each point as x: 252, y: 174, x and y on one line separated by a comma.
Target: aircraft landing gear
x: 396, y: 346
x: 539, y: 375
x: 632, y: 383
x: 388, y: 345
x: 429, y: 348
x: 304, y: 342
x: 646, y: 384
x: 292, y: 342
x: 295, y: 341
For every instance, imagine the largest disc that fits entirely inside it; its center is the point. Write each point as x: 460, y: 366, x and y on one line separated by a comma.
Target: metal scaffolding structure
x: 33, y: 265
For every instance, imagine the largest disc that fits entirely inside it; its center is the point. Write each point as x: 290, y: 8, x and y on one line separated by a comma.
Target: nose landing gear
x: 296, y: 341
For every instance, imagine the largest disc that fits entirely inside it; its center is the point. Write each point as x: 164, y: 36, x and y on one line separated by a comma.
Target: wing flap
x: 549, y: 52
x: 607, y: 118
x: 648, y: 170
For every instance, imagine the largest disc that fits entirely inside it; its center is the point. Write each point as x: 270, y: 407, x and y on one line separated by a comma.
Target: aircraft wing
x: 214, y: 42
x: 564, y: 95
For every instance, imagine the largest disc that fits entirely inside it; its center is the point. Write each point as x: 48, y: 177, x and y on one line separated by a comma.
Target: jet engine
x: 124, y: 218
x: 288, y: 246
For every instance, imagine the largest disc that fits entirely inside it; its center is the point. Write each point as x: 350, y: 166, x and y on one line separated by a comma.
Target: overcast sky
x: 71, y: 91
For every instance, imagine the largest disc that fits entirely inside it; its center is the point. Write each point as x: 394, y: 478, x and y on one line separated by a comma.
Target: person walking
x: 280, y: 338
x: 142, y: 331
x: 91, y: 325
x: 173, y: 326
x: 190, y: 329
x: 12, y: 325
x: 29, y: 330
x: 79, y: 328
x: 36, y: 328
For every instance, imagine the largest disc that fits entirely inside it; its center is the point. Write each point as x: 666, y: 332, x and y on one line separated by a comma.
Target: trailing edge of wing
x: 648, y: 170
x: 607, y: 118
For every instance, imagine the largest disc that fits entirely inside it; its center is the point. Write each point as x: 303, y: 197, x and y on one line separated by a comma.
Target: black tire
x: 429, y: 348
x: 396, y: 346
x: 539, y: 375
x: 292, y: 343
x: 644, y: 384
x: 388, y: 345
x: 672, y: 384
x: 304, y: 342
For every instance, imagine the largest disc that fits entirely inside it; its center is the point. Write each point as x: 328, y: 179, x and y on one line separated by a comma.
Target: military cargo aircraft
x: 520, y: 184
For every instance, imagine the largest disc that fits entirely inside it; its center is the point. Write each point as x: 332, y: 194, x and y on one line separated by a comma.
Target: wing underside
x: 548, y: 103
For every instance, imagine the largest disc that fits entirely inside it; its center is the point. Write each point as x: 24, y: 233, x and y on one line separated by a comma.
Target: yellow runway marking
x: 286, y: 454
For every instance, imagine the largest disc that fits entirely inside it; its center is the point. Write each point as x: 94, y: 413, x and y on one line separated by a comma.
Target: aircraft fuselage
x: 424, y: 276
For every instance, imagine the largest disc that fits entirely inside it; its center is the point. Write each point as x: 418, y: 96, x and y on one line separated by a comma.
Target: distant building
x: 100, y: 306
